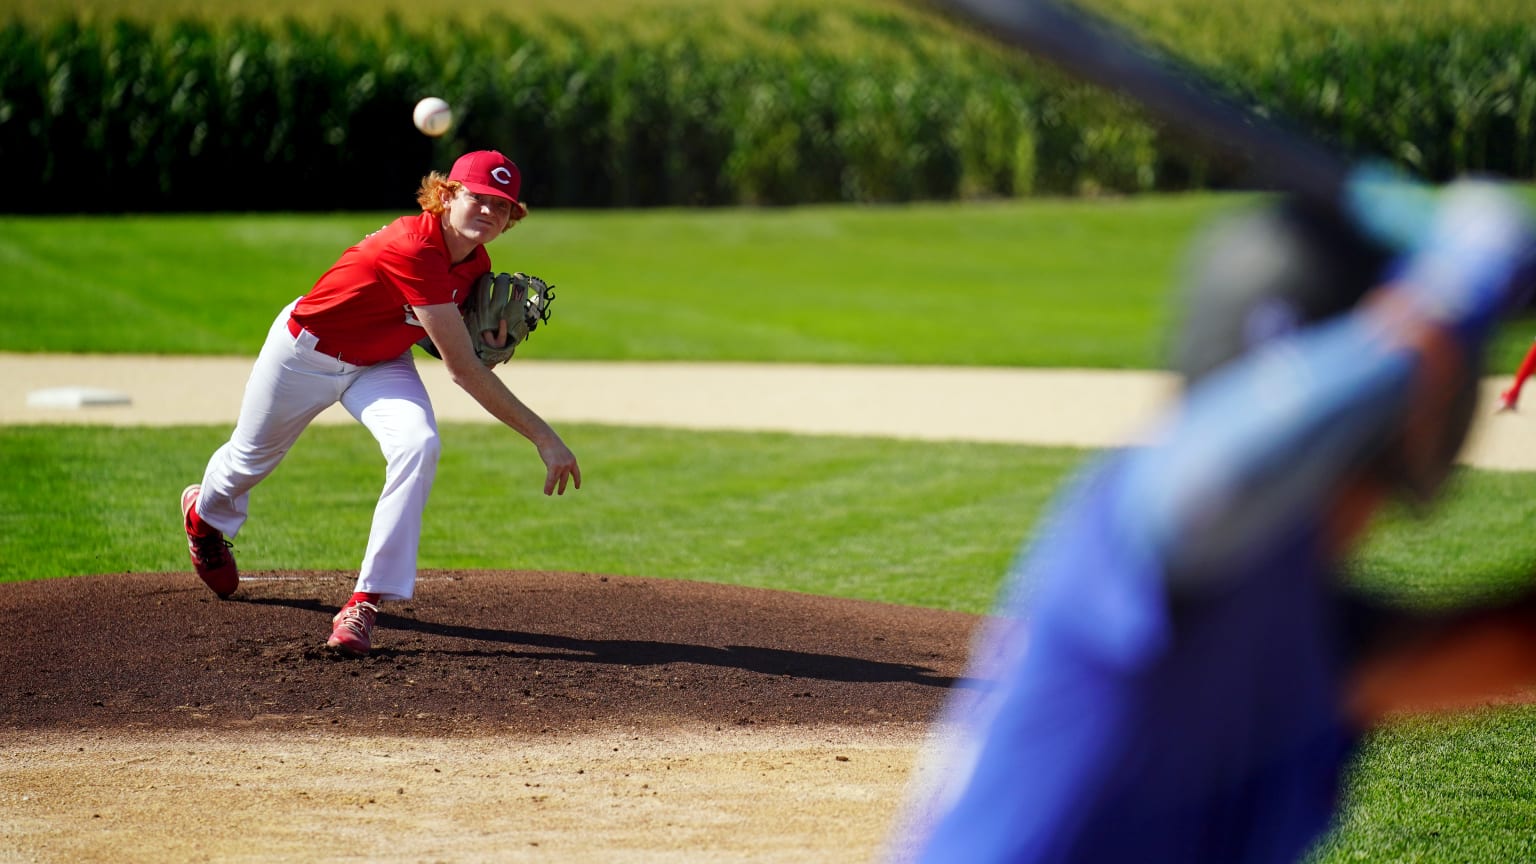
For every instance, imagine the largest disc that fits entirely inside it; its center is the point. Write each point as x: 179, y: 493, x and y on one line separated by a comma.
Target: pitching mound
x: 503, y: 717
x: 473, y: 652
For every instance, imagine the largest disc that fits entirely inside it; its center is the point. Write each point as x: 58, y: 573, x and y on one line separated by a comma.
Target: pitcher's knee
x: 421, y: 449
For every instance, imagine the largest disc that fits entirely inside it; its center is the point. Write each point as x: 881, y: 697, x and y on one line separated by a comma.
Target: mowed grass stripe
x: 1036, y: 283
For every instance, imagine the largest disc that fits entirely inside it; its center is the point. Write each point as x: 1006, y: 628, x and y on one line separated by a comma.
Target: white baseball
x: 432, y: 116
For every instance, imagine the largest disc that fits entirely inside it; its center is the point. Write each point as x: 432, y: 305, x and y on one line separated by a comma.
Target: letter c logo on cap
x: 501, y: 175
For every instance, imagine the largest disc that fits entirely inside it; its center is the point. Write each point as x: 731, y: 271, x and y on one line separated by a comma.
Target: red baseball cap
x: 487, y: 172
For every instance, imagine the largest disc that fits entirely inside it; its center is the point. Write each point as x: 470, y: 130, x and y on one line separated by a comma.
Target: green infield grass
x: 897, y: 521
x: 921, y: 523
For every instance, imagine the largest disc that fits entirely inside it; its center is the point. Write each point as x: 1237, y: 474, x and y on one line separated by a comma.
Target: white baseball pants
x: 289, y: 386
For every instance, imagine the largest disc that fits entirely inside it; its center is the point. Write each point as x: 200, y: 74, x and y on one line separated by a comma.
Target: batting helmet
x: 1280, y: 267
x: 1265, y: 273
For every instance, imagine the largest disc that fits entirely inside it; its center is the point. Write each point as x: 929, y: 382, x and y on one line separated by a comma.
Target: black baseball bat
x: 1273, y: 153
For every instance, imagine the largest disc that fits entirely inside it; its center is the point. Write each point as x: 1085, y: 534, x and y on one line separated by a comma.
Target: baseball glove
x: 516, y: 298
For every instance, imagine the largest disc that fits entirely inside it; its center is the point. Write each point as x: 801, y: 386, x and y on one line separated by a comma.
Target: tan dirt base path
x: 1086, y: 408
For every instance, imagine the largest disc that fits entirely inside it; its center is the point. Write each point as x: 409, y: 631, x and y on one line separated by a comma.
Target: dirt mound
x: 474, y: 652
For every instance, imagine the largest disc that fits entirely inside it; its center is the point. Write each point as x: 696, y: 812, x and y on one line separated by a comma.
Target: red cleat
x: 211, y: 555
x: 352, y: 629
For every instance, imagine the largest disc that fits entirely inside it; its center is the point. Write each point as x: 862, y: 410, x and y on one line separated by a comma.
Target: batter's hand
x: 561, y: 467
x: 1476, y: 264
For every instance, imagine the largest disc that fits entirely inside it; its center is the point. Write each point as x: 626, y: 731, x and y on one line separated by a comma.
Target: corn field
x: 699, y: 104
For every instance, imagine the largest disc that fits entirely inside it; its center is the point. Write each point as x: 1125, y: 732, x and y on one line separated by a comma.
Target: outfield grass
x: 1041, y: 283
x: 1038, y: 283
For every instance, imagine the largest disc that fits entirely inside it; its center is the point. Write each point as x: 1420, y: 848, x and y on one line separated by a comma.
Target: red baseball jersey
x: 360, y: 309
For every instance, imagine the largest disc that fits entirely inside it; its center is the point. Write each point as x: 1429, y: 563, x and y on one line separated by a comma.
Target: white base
x: 76, y: 397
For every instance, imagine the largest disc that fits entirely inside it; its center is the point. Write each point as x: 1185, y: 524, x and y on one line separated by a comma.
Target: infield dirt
x: 504, y: 716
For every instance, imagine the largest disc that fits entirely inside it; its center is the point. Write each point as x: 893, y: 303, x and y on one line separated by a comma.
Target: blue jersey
x: 1135, y: 723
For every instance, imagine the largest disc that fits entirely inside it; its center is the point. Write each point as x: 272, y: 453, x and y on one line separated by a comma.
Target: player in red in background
x: 349, y: 340
x: 1511, y: 396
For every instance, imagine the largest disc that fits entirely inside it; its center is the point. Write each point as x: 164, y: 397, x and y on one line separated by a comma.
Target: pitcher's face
x: 477, y: 218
